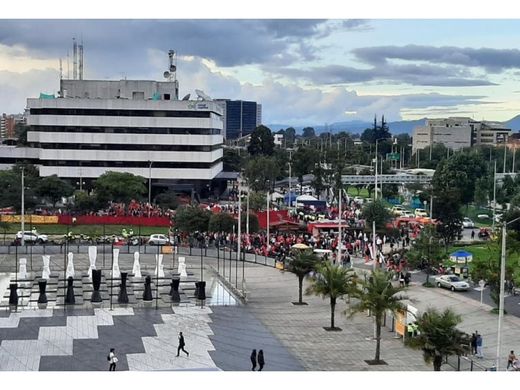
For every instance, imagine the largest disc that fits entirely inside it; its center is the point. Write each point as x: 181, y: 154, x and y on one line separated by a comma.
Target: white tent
x: 303, y: 198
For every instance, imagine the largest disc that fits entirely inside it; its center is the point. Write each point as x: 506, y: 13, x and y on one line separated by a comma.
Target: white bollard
x: 159, y: 265
x: 22, y: 271
x: 136, y: 270
x: 46, y: 272
x: 70, y: 266
x: 115, y: 266
x: 92, y: 255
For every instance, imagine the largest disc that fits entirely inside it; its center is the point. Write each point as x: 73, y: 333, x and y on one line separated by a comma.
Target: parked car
x: 484, y: 233
x: 454, y: 283
x: 398, y: 211
x: 359, y: 199
x: 420, y: 213
x: 467, y: 223
x: 158, y: 239
x: 408, y: 214
x: 32, y: 237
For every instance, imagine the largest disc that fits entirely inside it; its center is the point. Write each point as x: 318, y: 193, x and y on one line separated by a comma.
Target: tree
x: 191, y: 219
x: 4, y: 227
x: 167, y: 200
x: 481, y: 191
x: 439, y: 337
x: 83, y: 202
x: 257, y: 201
x: 221, y: 222
x: 53, y: 188
x: 333, y: 281
x: 11, y: 185
x: 448, y: 215
x: 318, y: 182
x: 301, y: 263
x: 376, y: 211
x: 290, y: 136
x: 308, y: 132
x: 304, y: 161
x: 20, y: 131
x: 254, y: 225
x: 262, y: 142
x: 119, y: 187
x: 379, y: 295
x: 427, y: 250
x: 231, y: 160
x: 261, y: 172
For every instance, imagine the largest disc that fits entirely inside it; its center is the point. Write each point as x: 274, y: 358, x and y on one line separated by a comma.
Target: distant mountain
x: 513, y: 123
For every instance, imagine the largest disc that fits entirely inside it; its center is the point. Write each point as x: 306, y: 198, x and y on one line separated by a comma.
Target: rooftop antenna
x: 81, y: 60
x: 68, y: 65
x: 170, y: 74
x: 74, y: 59
x: 61, y: 70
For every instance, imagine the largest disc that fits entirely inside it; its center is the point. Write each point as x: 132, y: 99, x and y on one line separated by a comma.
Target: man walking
x: 181, y: 345
x: 112, y: 359
x: 261, y: 361
x: 479, y: 346
x: 510, y: 359
x: 253, y: 360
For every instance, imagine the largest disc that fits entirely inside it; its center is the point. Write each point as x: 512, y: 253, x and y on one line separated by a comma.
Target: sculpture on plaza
x: 136, y: 270
x: 70, y: 266
x: 92, y: 255
x: 174, y: 291
x: 123, y: 295
x: 22, y: 271
x: 69, y: 299
x: 147, y: 295
x: 46, y: 272
x: 115, y: 264
x: 200, y: 290
x: 96, y: 282
x: 159, y: 267
x: 13, y: 294
x: 42, y: 286
x: 182, y: 267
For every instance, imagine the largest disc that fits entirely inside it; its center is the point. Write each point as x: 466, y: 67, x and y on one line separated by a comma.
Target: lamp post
x: 339, y: 227
x: 494, y: 194
x: 267, y: 216
x: 374, y: 222
x: 501, y: 296
x: 149, y: 186
x: 22, y: 241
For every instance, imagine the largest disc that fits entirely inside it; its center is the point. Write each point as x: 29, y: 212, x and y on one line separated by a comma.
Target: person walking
x: 479, y: 346
x: 253, y: 360
x: 510, y: 359
x: 473, y: 234
x: 474, y: 343
x: 261, y: 361
x: 181, y: 345
x: 112, y: 359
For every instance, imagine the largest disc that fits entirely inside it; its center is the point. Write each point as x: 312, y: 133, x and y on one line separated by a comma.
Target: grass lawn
x: 472, y: 212
x: 353, y: 192
x: 89, y: 230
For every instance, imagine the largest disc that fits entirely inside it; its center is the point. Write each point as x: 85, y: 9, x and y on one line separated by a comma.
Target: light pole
x: 494, y: 195
x: 23, y: 209
x: 339, y: 227
x: 290, y: 159
x: 267, y: 217
x: 502, y: 282
x: 374, y: 221
x: 149, y: 187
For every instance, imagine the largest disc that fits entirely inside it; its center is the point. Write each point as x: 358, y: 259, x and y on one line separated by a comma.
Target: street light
x: 374, y: 221
x: 23, y: 209
x: 149, y: 187
x: 502, y: 282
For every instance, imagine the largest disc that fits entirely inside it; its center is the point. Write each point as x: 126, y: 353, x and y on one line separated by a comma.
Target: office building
x: 240, y: 117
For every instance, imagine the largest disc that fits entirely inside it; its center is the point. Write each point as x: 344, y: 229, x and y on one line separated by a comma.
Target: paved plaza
x: 221, y: 336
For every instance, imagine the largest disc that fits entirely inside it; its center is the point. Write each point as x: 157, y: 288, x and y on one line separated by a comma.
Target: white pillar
x: 339, y: 228
x: 501, y: 301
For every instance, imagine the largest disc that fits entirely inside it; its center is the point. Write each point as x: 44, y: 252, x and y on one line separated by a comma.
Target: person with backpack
x: 181, y: 345
x: 112, y: 359
x: 261, y: 361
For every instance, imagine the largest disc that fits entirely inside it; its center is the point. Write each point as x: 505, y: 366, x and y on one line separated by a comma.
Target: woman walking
x: 253, y: 360
x: 112, y: 359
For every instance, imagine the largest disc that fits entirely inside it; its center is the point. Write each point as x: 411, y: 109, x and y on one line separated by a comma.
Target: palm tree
x: 302, y: 262
x: 377, y: 294
x: 332, y: 281
x: 438, y: 336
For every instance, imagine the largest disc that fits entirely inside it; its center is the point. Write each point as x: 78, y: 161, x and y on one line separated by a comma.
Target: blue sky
x: 304, y: 72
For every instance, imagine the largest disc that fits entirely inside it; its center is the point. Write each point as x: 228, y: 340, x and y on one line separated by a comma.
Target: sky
x: 302, y: 71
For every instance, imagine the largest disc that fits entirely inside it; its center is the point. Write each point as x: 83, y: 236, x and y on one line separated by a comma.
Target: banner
x: 34, y: 219
x: 113, y: 220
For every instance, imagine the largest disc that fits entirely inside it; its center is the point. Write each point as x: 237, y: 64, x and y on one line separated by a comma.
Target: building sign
x: 393, y: 156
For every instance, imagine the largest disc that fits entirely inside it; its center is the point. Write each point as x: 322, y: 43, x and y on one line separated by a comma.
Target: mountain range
x: 397, y: 127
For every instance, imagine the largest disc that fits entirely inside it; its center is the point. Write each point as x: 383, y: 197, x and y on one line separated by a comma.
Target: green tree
x: 379, y: 295
x: 304, y: 161
x: 232, y: 160
x: 427, y: 250
x: 318, y: 182
x: 221, y: 222
x: 4, y: 227
x: 332, y: 281
x: 261, y: 173
x: 301, y: 263
x: 11, y: 185
x: 191, y: 219
x: 439, y: 337
x: 119, y: 187
x: 290, y: 136
x: 308, y: 132
x: 254, y: 225
x: 481, y: 191
x: 83, y: 202
x: 448, y: 215
x: 376, y: 211
x: 262, y: 142
x: 167, y: 200
x: 20, y: 131
x: 53, y: 188
x: 257, y: 201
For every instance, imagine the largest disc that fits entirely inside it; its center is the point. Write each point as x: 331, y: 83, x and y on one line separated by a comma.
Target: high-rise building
x: 8, y: 125
x: 240, y: 117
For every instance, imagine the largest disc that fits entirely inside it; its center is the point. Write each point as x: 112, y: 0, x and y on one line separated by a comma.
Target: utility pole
x: 505, y: 157
x: 494, y: 194
x: 149, y: 187
x: 339, y: 228
x: 23, y: 209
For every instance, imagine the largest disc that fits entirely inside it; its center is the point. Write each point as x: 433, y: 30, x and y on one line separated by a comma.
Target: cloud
x: 493, y: 60
x: 356, y: 24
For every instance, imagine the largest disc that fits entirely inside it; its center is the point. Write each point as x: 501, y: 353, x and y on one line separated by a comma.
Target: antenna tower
x: 74, y: 59
x: 80, y: 47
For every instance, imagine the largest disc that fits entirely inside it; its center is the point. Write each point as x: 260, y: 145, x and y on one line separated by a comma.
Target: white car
x: 467, y: 223
x: 359, y: 199
x: 454, y: 283
x: 421, y: 213
x: 32, y: 237
x: 398, y: 211
x: 408, y: 214
x: 158, y: 239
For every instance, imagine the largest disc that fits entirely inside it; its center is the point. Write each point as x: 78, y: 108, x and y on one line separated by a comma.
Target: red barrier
x: 274, y: 217
x: 113, y: 220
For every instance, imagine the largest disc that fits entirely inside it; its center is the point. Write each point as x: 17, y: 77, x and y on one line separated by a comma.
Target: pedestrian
x: 112, y: 359
x: 253, y: 360
x: 261, y: 360
x: 479, y: 346
x: 473, y: 343
x: 510, y: 359
x: 407, y: 278
x: 473, y: 234
x: 181, y: 345
x: 401, y: 280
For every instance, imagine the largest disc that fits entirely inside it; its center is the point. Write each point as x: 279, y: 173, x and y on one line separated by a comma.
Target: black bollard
x: 147, y: 295
x: 174, y: 291
x: 123, y: 295
x: 200, y: 290
x: 70, y: 300
x: 13, y: 295
x: 96, y: 282
x: 42, y: 285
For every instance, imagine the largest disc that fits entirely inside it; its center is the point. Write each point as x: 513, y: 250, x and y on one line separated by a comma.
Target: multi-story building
x: 240, y: 117
x: 131, y: 126
x: 456, y: 133
x: 8, y: 125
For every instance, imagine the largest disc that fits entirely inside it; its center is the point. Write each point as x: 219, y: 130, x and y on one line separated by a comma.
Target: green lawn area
x: 353, y: 192
x: 89, y: 230
x: 473, y: 211
x: 482, y: 252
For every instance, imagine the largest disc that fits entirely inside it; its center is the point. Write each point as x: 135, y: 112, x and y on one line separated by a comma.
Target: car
x: 359, y: 199
x: 454, y: 283
x: 484, y: 233
x: 420, y: 213
x: 32, y: 237
x: 408, y: 214
x: 158, y: 239
x: 467, y: 223
x: 398, y: 210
